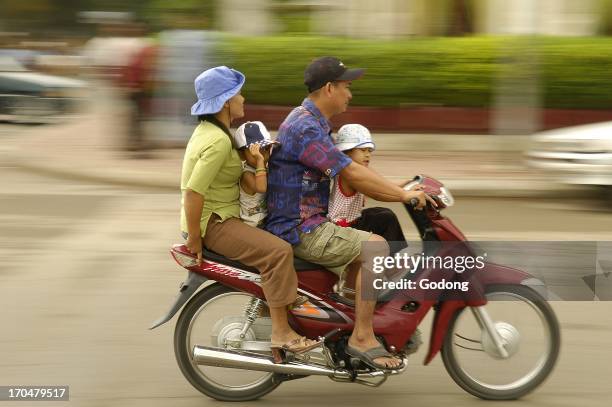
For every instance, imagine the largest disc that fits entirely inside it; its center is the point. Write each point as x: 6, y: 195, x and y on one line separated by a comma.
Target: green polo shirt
x: 212, y: 168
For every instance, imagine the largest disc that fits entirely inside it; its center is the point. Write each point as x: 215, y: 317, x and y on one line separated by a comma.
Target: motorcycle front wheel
x: 530, y: 332
x: 213, y: 315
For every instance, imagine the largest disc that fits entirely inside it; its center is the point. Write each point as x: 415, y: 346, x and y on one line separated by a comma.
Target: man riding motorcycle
x: 298, y: 193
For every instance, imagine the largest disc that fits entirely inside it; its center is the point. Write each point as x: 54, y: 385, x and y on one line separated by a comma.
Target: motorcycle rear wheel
x: 203, y: 377
x: 547, y: 352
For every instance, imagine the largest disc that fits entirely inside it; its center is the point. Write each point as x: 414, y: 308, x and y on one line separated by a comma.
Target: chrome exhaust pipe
x: 204, y: 355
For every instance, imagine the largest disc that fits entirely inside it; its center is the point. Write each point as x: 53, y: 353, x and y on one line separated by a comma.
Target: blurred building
x: 247, y: 17
x: 400, y: 18
x: 547, y: 17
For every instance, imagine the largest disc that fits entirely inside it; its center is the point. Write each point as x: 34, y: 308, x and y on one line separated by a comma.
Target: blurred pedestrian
x: 139, y: 83
x: 183, y: 54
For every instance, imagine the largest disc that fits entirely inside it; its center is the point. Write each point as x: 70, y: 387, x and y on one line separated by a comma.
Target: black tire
x: 184, y: 359
x: 471, y: 386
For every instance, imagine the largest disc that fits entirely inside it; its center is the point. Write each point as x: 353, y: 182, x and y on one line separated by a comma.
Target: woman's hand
x: 194, y: 244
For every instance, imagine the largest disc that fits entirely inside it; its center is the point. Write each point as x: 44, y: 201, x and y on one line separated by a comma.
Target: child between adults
x: 346, y: 205
x: 254, y: 145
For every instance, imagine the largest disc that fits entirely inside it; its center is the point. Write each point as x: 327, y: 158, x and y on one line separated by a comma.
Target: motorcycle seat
x: 299, y: 264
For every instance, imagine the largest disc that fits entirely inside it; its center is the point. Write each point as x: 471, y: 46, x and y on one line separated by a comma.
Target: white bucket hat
x: 353, y: 136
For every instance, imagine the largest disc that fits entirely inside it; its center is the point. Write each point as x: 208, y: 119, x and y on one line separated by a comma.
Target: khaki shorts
x: 331, y: 246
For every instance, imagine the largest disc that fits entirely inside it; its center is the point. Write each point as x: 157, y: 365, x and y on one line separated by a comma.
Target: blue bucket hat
x: 214, y: 87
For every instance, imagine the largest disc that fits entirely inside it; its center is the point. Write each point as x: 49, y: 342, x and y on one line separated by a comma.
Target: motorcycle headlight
x: 446, y: 197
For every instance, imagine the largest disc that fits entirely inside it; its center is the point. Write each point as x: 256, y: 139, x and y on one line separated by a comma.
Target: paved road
x: 84, y: 270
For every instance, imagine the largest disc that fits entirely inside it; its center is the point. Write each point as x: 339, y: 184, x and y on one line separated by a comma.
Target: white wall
x: 246, y: 17
x: 365, y: 18
x: 399, y: 18
x: 547, y: 17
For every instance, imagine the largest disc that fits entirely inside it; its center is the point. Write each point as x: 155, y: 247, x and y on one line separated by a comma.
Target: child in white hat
x: 346, y: 204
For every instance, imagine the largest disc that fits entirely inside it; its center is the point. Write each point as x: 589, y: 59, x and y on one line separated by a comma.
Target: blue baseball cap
x: 253, y: 133
x: 214, y: 87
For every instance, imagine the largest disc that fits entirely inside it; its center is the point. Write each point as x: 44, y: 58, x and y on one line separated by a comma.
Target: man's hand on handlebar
x: 418, y: 187
x: 418, y: 198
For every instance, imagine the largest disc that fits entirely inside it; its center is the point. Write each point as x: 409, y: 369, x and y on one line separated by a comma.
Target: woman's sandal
x: 369, y: 355
x: 299, y: 301
x: 298, y: 345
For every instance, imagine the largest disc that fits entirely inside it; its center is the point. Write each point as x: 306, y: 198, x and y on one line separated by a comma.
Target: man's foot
x: 373, y: 354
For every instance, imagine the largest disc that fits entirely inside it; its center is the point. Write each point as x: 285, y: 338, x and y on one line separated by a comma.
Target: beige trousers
x: 254, y: 247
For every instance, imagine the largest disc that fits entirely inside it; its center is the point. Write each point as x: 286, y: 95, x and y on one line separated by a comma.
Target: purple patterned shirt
x: 300, y: 170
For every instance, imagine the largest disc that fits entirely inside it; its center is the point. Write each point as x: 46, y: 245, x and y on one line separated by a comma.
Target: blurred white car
x: 32, y: 97
x: 575, y: 155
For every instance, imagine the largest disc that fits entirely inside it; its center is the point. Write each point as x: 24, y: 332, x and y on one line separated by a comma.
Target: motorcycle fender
x: 187, y: 289
x: 440, y: 326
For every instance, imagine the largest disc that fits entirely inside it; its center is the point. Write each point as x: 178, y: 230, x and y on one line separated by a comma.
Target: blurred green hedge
x: 441, y: 71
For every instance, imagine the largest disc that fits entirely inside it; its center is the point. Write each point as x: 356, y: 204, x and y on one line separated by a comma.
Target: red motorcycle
x: 500, y: 346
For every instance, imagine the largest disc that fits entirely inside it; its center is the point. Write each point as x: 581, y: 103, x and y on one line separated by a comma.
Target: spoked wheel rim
x: 200, y: 332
